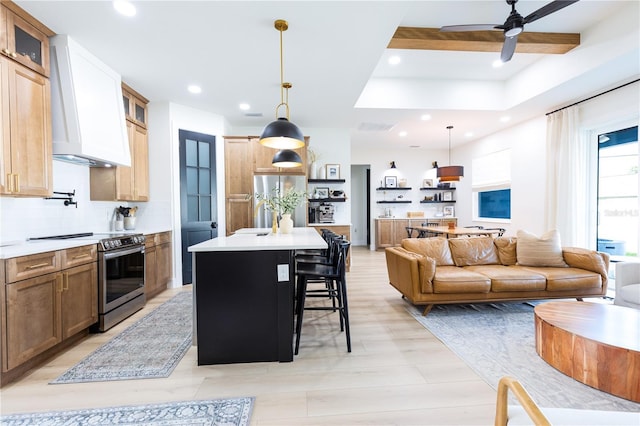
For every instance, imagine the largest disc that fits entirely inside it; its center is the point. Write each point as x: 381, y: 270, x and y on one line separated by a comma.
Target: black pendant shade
x: 282, y: 134
x: 286, y: 158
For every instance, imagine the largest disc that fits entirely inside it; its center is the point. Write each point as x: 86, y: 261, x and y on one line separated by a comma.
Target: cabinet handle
x: 9, y: 182
x: 65, y: 285
x: 6, y: 51
x: 80, y: 256
x: 39, y: 265
x: 59, y: 284
x: 17, y: 182
x: 14, y: 55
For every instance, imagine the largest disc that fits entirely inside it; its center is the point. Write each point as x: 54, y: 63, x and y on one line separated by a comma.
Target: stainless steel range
x: 120, y: 278
x: 121, y: 275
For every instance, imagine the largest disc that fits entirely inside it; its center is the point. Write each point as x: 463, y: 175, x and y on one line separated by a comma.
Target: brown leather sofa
x: 431, y: 271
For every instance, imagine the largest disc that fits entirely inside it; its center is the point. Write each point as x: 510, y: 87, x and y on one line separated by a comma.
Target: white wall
x: 167, y: 119
x: 22, y: 218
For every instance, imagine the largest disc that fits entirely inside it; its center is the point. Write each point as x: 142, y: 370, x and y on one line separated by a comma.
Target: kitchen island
x: 243, y: 295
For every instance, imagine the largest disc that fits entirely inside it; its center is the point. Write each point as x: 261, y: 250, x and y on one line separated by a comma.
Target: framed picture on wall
x: 447, y: 196
x: 427, y: 183
x: 333, y: 171
x: 322, y: 192
x: 390, y: 181
x: 448, y: 211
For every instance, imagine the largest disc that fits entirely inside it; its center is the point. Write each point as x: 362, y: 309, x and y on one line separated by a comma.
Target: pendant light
x: 281, y: 133
x: 450, y: 173
x: 286, y: 158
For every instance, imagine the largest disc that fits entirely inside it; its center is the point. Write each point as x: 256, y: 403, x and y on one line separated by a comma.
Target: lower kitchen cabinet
x: 158, y: 261
x: 34, y: 323
x: 391, y: 231
x: 42, y: 309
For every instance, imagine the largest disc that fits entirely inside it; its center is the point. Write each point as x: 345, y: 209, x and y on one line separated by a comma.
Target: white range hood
x: 87, y: 110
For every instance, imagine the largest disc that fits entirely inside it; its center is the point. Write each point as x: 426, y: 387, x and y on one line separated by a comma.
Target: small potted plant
x: 284, y: 202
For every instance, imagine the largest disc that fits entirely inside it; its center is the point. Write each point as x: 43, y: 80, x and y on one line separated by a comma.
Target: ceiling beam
x: 481, y: 41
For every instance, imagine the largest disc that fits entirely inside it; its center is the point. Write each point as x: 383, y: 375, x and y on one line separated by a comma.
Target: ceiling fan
x: 514, y: 24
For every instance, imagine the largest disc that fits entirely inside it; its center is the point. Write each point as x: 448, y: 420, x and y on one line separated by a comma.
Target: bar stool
x: 334, y: 276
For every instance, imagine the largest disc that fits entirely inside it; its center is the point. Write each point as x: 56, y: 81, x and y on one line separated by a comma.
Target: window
x: 495, y: 204
x: 491, y: 186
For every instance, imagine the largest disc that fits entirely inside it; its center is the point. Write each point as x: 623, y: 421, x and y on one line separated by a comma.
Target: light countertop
x: 256, y: 239
x: 27, y: 247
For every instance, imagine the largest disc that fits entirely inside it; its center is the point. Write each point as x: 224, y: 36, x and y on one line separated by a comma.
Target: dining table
x: 456, y: 231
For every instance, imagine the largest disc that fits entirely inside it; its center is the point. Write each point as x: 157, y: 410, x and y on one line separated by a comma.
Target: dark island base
x: 243, y: 313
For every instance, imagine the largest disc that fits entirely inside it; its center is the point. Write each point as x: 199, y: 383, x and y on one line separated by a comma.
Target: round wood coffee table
x: 595, y: 343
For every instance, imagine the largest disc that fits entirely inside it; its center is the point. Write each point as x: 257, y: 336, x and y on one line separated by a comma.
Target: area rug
x: 227, y: 412
x: 149, y: 348
x: 498, y: 340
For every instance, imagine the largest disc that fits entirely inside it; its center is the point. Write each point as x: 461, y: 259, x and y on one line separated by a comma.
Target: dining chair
x: 426, y: 234
x: 335, y: 274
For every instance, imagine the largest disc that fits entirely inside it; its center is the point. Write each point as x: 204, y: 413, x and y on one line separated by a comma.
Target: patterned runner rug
x: 498, y: 340
x: 227, y: 412
x: 149, y: 348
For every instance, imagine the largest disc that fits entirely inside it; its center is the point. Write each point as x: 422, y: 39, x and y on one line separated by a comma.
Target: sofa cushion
x: 511, y: 278
x: 506, y: 247
x: 435, y: 248
x: 560, y: 279
x: 453, y: 279
x: 473, y: 251
x: 545, y: 250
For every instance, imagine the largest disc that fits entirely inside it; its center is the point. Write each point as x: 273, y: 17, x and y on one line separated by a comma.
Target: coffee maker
x: 322, y: 213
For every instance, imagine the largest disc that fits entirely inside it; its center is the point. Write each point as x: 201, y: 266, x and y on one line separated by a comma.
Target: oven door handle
x: 118, y: 253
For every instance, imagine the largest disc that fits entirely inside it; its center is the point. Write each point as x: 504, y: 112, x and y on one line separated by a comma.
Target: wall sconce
x: 393, y: 164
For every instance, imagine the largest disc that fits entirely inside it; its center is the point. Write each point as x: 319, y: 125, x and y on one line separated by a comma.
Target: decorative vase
x: 274, y: 222
x: 286, y: 223
x: 313, y: 171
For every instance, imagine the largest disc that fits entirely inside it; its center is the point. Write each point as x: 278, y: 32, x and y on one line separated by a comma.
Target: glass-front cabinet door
x: 24, y: 43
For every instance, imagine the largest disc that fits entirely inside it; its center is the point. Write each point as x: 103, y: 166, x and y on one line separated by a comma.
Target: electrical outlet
x: 283, y: 272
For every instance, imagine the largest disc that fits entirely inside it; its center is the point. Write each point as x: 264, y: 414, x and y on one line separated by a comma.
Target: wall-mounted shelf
x: 437, y: 202
x: 437, y: 189
x: 327, y: 200
x: 393, y: 202
x: 393, y: 189
x: 325, y: 180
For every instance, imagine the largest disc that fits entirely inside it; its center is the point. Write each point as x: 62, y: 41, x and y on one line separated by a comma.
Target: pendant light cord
x: 449, y: 127
x: 282, y: 26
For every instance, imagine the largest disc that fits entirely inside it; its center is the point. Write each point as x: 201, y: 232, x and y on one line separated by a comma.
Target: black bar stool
x: 334, y: 276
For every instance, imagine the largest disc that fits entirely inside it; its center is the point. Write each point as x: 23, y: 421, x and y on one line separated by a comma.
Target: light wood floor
x: 397, y: 373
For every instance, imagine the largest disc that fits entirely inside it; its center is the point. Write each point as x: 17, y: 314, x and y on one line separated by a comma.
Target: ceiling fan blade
x: 508, y: 48
x: 548, y: 9
x: 472, y: 27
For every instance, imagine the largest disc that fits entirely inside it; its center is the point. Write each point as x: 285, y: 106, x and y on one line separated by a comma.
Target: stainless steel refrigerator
x: 264, y: 184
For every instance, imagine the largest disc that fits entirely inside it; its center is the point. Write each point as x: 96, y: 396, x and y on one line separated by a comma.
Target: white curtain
x: 568, y: 189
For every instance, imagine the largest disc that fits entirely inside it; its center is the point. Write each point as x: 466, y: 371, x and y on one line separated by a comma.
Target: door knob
x: 214, y: 225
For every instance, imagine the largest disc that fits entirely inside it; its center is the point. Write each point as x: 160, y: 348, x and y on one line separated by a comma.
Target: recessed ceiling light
x: 425, y: 117
x: 124, y: 7
x: 194, y: 89
x: 497, y: 63
x: 402, y: 134
x: 245, y: 106
x: 394, y: 60
x: 468, y: 134
x: 505, y: 118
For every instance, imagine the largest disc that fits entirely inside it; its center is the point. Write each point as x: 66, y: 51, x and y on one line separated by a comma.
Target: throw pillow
x: 473, y: 251
x: 545, y: 250
x: 435, y: 248
x: 506, y: 250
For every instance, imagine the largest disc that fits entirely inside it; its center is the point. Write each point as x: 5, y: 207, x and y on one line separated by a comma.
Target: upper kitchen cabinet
x: 25, y: 131
x: 263, y: 156
x: 238, y: 182
x: 123, y: 183
x: 135, y: 106
x: 24, y: 39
